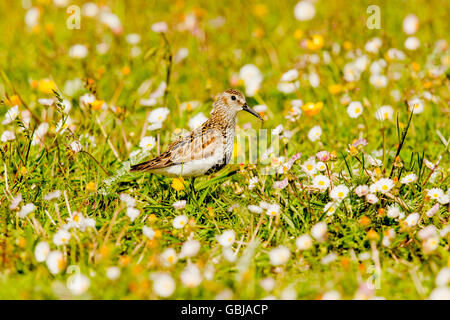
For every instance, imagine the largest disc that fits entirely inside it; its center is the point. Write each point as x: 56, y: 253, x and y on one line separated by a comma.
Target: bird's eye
x: 233, y: 97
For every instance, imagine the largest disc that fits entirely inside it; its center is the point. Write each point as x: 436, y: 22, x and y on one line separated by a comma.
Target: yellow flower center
x: 340, y: 194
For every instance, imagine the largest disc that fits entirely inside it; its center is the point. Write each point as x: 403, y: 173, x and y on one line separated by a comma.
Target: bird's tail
x: 143, y: 166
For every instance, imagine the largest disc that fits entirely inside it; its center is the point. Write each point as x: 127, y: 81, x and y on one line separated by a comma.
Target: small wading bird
x: 206, y: 149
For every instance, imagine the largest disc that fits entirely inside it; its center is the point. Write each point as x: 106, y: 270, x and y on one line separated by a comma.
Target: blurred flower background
x: 357, y: 206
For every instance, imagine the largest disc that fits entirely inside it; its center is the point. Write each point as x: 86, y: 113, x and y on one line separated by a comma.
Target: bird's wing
x: 199, y: 144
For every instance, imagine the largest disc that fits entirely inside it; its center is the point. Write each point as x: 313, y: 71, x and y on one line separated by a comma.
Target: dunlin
x: 206, y: 149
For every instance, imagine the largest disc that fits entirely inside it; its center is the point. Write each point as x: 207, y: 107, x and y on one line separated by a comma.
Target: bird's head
x: 230, y: 102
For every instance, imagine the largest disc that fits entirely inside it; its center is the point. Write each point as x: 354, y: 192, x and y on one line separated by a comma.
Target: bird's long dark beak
x: 251, y: 111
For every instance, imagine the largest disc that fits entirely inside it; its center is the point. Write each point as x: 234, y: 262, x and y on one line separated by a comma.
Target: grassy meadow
x: 355, y: 204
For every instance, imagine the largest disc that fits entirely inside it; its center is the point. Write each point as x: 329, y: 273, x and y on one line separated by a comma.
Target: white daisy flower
x: 440, y: 293
x: 409, y: 178
x: 315, y: 133
x: 8, y: 136
x: 330, y: 208
x: 148, y: 232
x: 227, y: 238
x: 393, y: 211
x: 158, y: 115
x: 180, y: 221
x: 113, y: 273
x: 127, y: 199
x: 321, y: 182
x: 279, y: 255
x: 339, y: 192
x: 132, y: 213
x: 290, y: 75
x: 168, y: 257
x: 444, y: 199
x: 410, y: 24
x: 373, y: 45
x: 191, y: 276
x: 412, y: 219
x: 384, y: 113
x: 319, y: 231
x: 378, y: 80
x: 252, y: 78
x: 354, y: 109
x: 163, y: 284
x: 435, y: 193
x: 309, y: 166
x: 433, y: 210
x: 78, y: 284
x: 133, y: 38
x: 11, y: 115
x: 268, y: 284
x: 26, y: 210
x: 427, y: 232
x: 147, y: 143
x: 160, y: 27
x: 371, y: 198
x: 304, y: 242
x: 252, y: 182
x: 384, y: 185
x: 78, y: 51
x: 76, y: 146
x: 41, y: 251
x: 321, y: 166
x: 273, y: 210
x: 255, y: 209
x: 189, y: 249
x: 179, y: 205
x: 55, y: 262
x: 412, y: 43
x: 61, y: 237
x: 395, y: 54
x: 361, y: 190
x: 304, y: 11
x: 430, y: 244
x: 416, y: 105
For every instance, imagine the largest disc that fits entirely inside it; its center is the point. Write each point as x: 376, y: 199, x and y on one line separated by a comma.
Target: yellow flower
x: 318, y: 41
x: 311, y: 109
x: 315, y: 43
x: 126, y: 70
x: 258, y: 33
x: 428, y: 84
x: 97, y: 104
x: 298, y: 34
x: 23, y: 170
x: 46, y: 86
x: 347, y: 45
x: 91, y: 186
x: 260, y: 10
x: 14, y: 100
x: 415, y: 66
x: 353, y: 151
x: 335, y: 88
x: 50, y: 28
x: 178, y: 183
x: 372, y: 234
